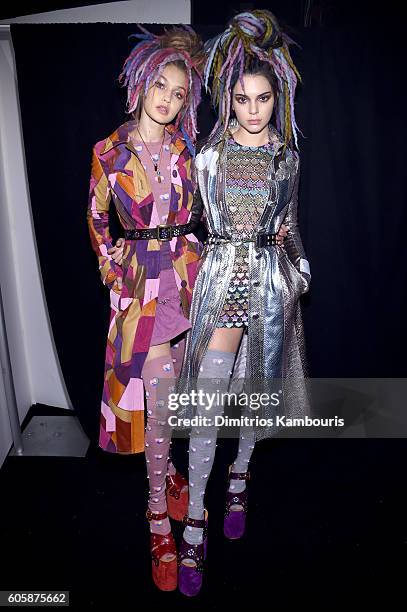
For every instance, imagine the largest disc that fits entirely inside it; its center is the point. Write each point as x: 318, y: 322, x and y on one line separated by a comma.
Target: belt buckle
x: 259, y: 240
x: 236, y: 239
x: 164, y: 226
x: 263, y: 238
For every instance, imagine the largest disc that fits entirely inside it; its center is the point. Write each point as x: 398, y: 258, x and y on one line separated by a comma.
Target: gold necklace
x: 156, y: 164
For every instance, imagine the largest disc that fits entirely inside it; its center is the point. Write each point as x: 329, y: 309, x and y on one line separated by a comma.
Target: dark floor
x: 326, y: 524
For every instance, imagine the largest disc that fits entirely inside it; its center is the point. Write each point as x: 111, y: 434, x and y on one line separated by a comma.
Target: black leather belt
x: 161, y: 232
x: 261, y: 240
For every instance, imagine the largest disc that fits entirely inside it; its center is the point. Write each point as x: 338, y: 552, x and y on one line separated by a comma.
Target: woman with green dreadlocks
x: 245, y: 312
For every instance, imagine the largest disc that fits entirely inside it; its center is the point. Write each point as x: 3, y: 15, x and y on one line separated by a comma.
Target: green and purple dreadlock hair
x: 180, y: 46
x: 252, y: 38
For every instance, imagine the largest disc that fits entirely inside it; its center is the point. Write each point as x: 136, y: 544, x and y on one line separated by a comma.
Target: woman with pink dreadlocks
x: 145, y: 166
x: 245, y: 312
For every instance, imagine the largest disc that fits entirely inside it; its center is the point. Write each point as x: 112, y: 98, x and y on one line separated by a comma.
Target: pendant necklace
x: 156, y: 163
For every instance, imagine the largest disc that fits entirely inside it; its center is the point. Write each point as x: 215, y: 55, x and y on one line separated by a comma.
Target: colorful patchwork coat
x: 118, y: 174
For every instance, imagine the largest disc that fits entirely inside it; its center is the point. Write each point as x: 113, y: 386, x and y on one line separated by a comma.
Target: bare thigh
x: 225, y: 339
x: 158, y: 350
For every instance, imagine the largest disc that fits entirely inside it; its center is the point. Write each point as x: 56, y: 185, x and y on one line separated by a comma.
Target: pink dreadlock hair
x: 251, y: 39
x: 180, y: 46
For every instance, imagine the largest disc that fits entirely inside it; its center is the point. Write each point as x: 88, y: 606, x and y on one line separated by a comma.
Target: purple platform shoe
x: 190, y: 576
x: 234, y: 522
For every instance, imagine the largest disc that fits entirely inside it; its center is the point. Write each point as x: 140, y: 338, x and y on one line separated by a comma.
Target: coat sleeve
x: 98, y: 222
x: 293, y: 243
x: 197, y: 209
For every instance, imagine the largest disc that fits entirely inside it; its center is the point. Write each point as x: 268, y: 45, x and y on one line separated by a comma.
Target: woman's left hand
x: 282, y: 233
x: 117, y: 251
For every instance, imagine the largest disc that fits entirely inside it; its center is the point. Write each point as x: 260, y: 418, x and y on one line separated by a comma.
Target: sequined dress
x: 246, y: 193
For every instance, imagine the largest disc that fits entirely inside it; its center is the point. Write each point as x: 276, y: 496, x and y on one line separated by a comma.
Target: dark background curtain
x: 352, y: 216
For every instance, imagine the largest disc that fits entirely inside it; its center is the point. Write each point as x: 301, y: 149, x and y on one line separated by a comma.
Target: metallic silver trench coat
x: 274, y: 346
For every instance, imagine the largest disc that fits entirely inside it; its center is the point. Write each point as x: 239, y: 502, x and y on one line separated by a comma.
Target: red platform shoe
x: 177, y: 496
x: 163, y: 556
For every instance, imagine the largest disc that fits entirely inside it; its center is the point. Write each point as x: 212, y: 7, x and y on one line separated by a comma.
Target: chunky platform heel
x: 191, y: 559
x: 177, y: 493
x: 163, y: 556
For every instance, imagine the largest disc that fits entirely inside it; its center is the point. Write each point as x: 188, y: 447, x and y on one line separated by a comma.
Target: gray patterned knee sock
x: 241, y: 463
x: 217, y: 365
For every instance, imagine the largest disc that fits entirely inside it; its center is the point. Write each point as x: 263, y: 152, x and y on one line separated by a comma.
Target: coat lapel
x: 130, y: 181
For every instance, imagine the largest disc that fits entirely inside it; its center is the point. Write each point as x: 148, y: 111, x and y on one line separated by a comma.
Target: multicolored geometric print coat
x: 118, y: 173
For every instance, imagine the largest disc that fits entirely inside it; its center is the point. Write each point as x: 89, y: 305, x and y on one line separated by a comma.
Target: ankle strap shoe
x: 190, y: 575
x: 155, y: 516
x: 234, y: 522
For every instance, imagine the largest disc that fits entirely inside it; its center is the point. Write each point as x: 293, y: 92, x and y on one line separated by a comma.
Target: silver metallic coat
x: 274, y: 346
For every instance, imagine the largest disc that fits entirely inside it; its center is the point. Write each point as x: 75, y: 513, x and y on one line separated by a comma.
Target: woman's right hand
x: 117, y: 285
x: 117, y: 251
x: 282, y: 233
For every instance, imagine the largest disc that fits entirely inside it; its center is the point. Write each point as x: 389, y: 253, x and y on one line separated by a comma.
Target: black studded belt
x: 161, y: 232
x: 261, y: 240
